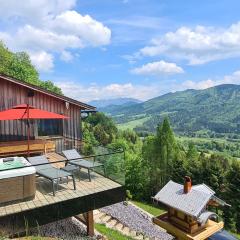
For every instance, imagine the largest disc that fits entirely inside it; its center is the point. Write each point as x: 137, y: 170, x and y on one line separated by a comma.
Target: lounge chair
x: 74, y: 158
x: 49, y: 172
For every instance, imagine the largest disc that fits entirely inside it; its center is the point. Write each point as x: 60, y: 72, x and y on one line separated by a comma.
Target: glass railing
x: 114, y: 162
x: 47, y: 173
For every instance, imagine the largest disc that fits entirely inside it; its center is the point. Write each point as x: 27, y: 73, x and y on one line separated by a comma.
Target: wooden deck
x: 65, y: 191
x: 211, y: 228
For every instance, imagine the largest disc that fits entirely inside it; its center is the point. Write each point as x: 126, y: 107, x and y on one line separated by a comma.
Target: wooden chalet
x: 50, y: 137
x: 188, y: 216
x: 61, y: 133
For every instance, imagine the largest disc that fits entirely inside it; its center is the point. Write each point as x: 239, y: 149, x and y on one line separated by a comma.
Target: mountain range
x: 215, y: 110
x: 113, y: 102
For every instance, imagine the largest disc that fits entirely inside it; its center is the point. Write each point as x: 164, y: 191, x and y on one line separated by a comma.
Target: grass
x: 202, y: 139
x: 110, y: 233
x: 132, y: 124
x: 37, y: 238
x: 150, y: 208
x: 236, y: 235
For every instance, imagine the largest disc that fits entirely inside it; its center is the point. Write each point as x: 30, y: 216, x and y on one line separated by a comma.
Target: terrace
x: 32, y: 199
x: 36, y: 191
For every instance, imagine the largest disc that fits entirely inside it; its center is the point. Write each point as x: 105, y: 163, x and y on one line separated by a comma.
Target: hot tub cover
x: 20, y: 171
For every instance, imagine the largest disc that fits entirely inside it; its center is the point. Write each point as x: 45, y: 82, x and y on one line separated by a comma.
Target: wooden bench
x: 21, y: 147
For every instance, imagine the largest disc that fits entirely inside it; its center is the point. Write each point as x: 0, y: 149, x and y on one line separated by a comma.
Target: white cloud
x: 42, y: 60
x: 139, y: 21
x: 197, y: 45
x: 233, y: 78
x: 132, y: 58
x: 90, y: 31
x: 90, y: 92
x: 33, y: 38
x: 115, y: 90
x: 66, y: 56
x: 33, y: 11
x: 50, y: 27
x: 157, y: 68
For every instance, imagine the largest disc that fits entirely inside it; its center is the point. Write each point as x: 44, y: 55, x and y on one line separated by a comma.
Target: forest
x: 157, y: 158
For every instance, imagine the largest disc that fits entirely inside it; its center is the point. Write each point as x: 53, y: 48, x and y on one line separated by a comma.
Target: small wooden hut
x: 188, y: 216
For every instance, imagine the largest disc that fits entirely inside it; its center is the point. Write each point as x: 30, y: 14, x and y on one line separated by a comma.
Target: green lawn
x: 132, y: 124
x: 110, y: 233
x: 150, y: 208
x: 236, y: 235
x: 201, y: 139
x: 36, y: 238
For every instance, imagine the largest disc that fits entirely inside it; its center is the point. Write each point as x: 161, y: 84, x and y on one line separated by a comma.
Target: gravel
x: 136, y: 220
x: 69, y: 229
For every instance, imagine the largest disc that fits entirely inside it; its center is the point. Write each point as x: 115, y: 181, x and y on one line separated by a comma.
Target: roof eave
x: 192, y: 215
x: 44, y: 91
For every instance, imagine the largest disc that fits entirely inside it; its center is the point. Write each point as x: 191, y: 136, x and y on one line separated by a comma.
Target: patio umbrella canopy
x: 27, y: 112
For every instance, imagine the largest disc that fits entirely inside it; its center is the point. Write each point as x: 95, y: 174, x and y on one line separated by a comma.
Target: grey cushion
x: 47, y: 170
x: 77, y: 159
x: 85, y: 164
x: 72, y: 154
x: 53, y: 173
x: 35, y: 161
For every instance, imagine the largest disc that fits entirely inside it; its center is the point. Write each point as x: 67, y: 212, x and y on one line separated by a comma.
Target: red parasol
x: 27, y: 112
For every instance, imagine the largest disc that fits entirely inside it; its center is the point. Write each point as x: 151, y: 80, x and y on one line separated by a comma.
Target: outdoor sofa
x: 45, y: 169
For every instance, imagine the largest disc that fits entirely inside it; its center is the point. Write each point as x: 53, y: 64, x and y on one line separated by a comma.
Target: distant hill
x: 214, y: 110
x: 114, y: 102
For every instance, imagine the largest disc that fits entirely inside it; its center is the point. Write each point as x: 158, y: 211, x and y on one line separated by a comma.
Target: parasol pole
x: 28, y: 131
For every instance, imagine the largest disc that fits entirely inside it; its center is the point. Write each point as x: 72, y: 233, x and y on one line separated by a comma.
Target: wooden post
x: 90, y: 223
x: 87, y: 219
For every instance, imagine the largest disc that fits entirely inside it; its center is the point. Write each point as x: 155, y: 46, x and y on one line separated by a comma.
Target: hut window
x: 50, y: 127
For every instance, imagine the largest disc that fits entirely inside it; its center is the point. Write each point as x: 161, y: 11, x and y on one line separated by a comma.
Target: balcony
x: 31, y: 199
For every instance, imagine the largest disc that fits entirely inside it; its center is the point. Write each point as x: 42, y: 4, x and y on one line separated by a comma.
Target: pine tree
x: 160, y: 152
x: 167, y: 149
x: 213, y: 172
x: 178, y: 170
x: 228, y: 216
x: 192, y: 153
x: 136, y: 178
x: 193, y: 163
x: 233, y: 191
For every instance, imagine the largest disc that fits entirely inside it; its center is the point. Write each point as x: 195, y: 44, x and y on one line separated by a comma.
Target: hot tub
x: 17, y: 179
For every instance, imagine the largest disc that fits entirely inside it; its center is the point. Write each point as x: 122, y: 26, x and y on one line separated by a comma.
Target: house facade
x: 14, y: 92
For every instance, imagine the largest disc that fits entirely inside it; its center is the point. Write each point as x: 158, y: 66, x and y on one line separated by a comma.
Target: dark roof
x: 49, y: 93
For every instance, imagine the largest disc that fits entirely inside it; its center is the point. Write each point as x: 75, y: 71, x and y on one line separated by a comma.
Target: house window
x: 50, y: 127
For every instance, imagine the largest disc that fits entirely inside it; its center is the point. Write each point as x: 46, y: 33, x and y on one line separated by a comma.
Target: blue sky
x: 104, y: 49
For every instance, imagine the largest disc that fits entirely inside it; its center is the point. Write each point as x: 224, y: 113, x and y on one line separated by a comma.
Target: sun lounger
x: 46, y: 170
x: 74, y: 158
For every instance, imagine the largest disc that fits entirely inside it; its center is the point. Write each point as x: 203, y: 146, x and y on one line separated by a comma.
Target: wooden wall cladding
x: 12, y: 94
